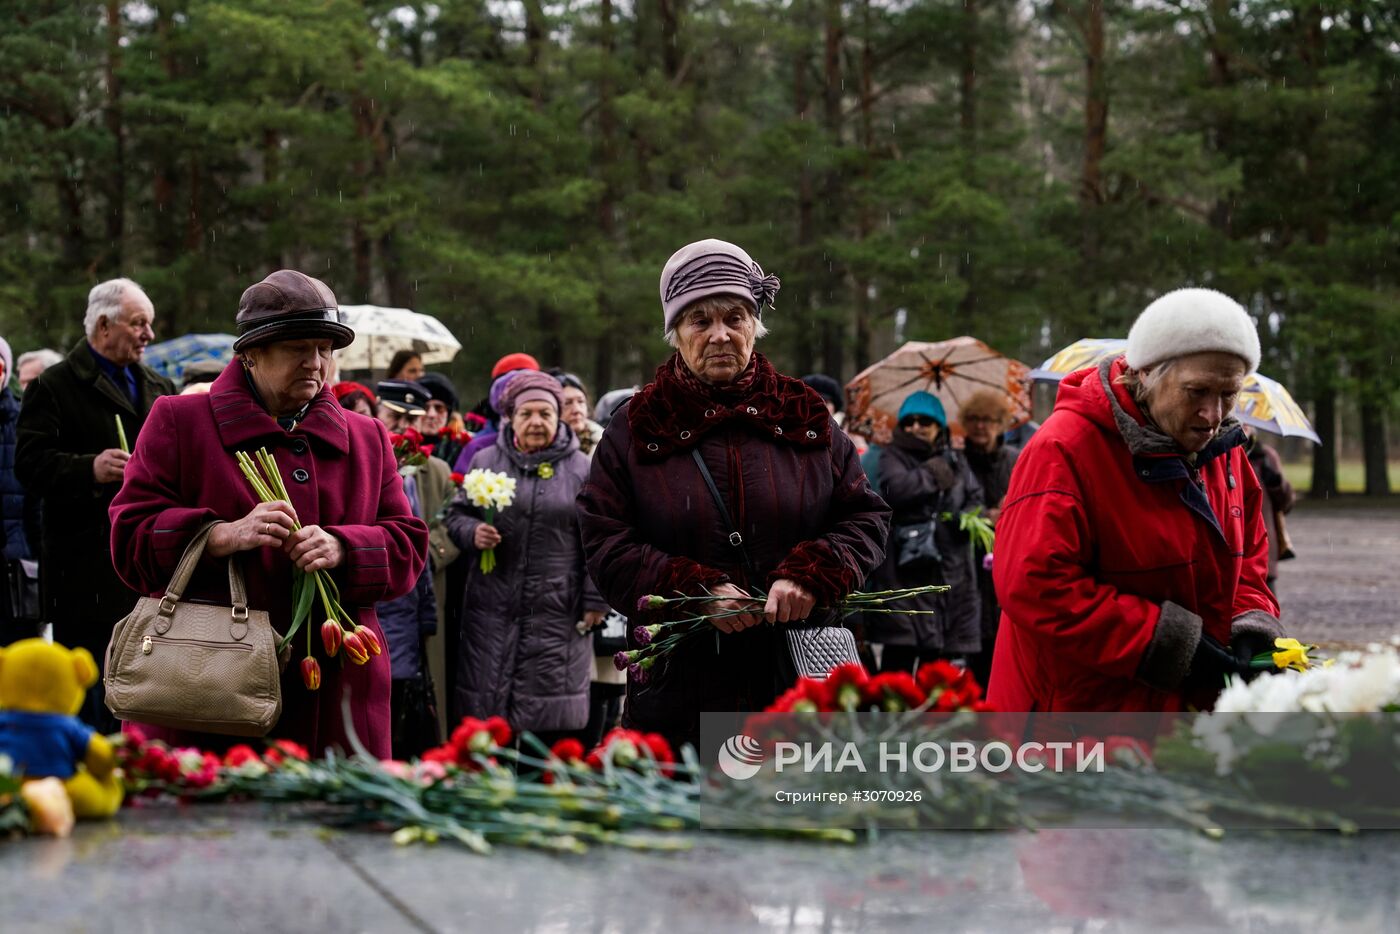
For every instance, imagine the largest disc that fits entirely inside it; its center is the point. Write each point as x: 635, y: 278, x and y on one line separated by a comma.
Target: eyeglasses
x: 980, y: 420
x: 923, y: 421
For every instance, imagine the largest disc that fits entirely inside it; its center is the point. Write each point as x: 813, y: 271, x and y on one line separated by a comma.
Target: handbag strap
x: 194, y: 551
x: 735, y: 539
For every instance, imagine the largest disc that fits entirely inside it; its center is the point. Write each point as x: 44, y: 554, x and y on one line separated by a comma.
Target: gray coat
x: 521, y: 655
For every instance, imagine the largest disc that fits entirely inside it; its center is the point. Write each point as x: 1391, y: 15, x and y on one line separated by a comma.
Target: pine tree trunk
x: 607, y: 201
x: 967, y: 131
x: 805, y: 350
x: 1373, y: 449
x: 1095, y: 144
x: 116, y: 184
x: 1324, y: 465
x: 832, y: 333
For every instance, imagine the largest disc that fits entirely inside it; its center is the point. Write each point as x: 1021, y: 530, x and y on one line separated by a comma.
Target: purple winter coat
x: 521, y: 655
x: 799, y: 497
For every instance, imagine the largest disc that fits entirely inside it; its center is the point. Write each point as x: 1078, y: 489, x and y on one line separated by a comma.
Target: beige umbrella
x: 952, y: 370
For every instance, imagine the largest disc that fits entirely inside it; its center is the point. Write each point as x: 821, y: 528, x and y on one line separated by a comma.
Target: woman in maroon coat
x: 341, y: 476
x: 812, y: 527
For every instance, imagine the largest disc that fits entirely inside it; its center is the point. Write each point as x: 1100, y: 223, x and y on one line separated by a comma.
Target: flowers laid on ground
x: 655, y: 641
x: 260, y: 470
x: 491, y: 491
x: 939, y: 687
x: 1355, y: 682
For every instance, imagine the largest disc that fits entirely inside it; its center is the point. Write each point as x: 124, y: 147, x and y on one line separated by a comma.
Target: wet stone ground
x: 233, y: 868
x: 1344, y: 586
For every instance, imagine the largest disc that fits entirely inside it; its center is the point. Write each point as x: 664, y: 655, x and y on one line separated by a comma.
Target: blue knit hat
x: 923, y: 403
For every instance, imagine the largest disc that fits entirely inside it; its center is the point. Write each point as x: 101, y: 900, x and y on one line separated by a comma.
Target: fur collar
x: 675, y: 411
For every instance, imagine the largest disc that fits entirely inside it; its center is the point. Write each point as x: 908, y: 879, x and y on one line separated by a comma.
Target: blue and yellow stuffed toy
x: 41, y: 688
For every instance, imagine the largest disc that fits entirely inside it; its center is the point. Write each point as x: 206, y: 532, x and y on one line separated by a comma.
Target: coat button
x: 299, y: 447
x: 751, y: 410
x: 778, y: 430
x: 811, y: 434
x: 300, y: 475
x: 685, y: 436
x: 653, y: 447
x: 709, y: 413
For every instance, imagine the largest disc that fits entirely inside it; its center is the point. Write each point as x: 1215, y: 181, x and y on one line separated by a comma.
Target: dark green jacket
x: 68, y: 417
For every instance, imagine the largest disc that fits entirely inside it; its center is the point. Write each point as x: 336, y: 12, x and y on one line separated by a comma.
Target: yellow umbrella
x: 1263, y: 403
x: 952, y: 370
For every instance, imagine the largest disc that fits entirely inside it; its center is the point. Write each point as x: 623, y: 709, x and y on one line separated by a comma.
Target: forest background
x: 1024, y: 171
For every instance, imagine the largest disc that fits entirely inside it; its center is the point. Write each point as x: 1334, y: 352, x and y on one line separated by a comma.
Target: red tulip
x: 332, y: 635
x: 310, y: 673
x: 355, y: 648
x: 370, y: 640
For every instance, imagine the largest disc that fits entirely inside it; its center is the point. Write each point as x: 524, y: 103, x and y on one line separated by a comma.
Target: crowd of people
x: 1132, y: 563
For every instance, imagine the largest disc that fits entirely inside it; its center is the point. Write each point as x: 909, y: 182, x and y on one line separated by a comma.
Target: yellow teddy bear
x: 41, y: 688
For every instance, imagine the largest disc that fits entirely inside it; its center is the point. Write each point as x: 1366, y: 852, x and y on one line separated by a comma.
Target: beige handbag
x: 196, y: 666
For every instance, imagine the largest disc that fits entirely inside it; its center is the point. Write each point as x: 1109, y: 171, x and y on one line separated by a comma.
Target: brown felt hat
x: 289, y: 305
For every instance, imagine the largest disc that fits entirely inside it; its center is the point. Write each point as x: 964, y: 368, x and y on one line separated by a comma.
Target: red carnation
x: 499, y: 730
x: 844, y: 686
x: 458, y: 478
x: 445, y: 754
x: 894, y: 691
x: 280, y: 750
x: 426, y: 450
x: 240, y: 755
x: 567, y: 750
x: 660, y: 750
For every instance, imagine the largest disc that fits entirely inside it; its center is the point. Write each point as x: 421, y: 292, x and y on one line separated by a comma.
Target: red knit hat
x: 514, y: 361
x: 341, y: 390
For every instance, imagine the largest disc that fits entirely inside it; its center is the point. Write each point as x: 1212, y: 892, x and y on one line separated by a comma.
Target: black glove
x: 1211, y: 662
x: 1244, y: 646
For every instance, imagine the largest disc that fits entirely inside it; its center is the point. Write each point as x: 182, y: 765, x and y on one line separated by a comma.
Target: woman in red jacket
x: 340, y: 474
x: 1131, y: 552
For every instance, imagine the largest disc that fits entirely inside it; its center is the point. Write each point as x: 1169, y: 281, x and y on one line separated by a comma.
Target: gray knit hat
x: 713, y: 267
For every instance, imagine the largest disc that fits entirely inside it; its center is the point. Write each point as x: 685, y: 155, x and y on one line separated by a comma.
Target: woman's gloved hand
x: 1244, y: 646
x: 1211, y: 662
x: 942, y: 471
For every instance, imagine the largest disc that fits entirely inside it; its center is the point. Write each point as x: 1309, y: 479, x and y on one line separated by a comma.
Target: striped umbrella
x: 171, y: 358
x: 952, y: 370
x: 1263, y: 403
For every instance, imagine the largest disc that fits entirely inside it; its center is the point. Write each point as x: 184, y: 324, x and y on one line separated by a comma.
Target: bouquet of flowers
x: 339, y: 630
x: 1353, y: 682
x: 492, y: 492
x: 410, y: 451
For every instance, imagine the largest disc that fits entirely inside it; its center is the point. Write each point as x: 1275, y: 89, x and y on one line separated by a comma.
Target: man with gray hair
x: 31, y: 363
x: 71, y: 454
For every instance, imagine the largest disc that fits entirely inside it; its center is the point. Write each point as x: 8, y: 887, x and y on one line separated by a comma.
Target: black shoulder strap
x: 735, y: 539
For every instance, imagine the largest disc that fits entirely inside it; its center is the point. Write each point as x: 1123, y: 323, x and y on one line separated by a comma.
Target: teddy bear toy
x: 41, y: 688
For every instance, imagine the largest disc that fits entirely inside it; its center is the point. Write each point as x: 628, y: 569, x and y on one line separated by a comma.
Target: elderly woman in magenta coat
x: 812, y: 527
x: 1130, y: 553
x: 345, y: 490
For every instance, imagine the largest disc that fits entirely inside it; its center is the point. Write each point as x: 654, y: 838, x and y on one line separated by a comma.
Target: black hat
x: 289, y: 305
x: 441, y: 387
x: 403, y: 397
x: 826, y: 387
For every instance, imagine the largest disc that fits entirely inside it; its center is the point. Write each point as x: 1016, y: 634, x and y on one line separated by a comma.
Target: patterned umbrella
x: 1263, y: 403
x: 952, y: 370
x: 382, y: 332
x: 170, y: 358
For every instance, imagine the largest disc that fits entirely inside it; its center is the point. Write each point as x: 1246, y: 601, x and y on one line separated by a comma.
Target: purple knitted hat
x: 531, y: 386
x: 498, y: 389
x: 713, y: 267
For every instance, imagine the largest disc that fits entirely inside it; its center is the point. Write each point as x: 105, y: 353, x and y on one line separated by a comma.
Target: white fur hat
x: 1191, y: 321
